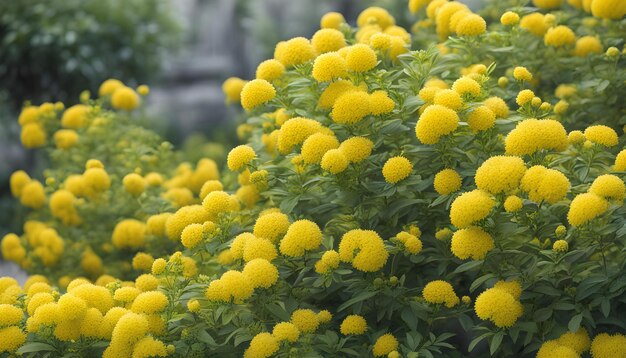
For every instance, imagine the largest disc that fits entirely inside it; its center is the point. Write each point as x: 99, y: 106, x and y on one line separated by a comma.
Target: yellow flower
x: 286, y: 331
x: 579, y: 341
x: 258, y: 247
x: 11, y: 338
x: 65, y: 138
x: 328, y: 40
x: 305, y: 319
x: 375, y: 15
x: 524, y: 97
x: 261, y: 273
x: 448, y: 98
x: 605, y: 345
x: 302, y: 235
x: 396, y: 169
x: 351, y: 107
x: 125, y: 98
x: 158, y: 266
x: 547, y: 4
x: 149, y: 347
x: 498, y: 306
x: 97, y: 179
x: 33, y: 195
x: 500, y: 174
x: 295, y: 131
x: 513, y: 204
x: 559, y: 36
x: 356, y: 149
x: 334, y: 161
x: 269, y: 70
x: 324, y: 316
x: 470, y: 208
x: 109, y: 86
x: 149, y: 302
x: 33, y: 136
x: 440, y: 292
x: 608, y: 9
x: 332, y: 20
x: 271, y: 226
x: 412, y: 243
x: 315, y: 146
x: 601, y: 134
x: 586, y: 207
x: 147, y: 282
x: 471, y: 25
x: 18, y: 181
x: 239, y: 157
x: 129, y: 233
x: 329, y: 66
x: 232, y: 285
x: 466, y: 86
x: 143, y: 90
x: 232, y: 88
x: 509, y: 18
x: 384, y: 345
x: 380, y: 103
x: 296, y: 51
x: 522, y: 74
x: 532, y: 135
x: 545, y: 184
x: 10, y: 315
x: 380, y: 41
x: 560, y: 246
x: 29, y: 114
x: 176, y: 223
x: 498, y: 106
x: 609, y: 187
x: 192, y: 235
x: 481, y: 118
x: 360, y: 58
x: 371, y: 254
x: 263, y: 345
x: 353, y: 325
x: 75, y: 117
x: 435, y: 122
x: 256, y: 93
x: 587, y: 45
x: 471, y: 242
x: 447, y: 182
x: 329, y: 260
x: 216, y: 202
x: 552, y: 348
x: 126, y: 294
x: 134, y: 184
x: 620, y: 161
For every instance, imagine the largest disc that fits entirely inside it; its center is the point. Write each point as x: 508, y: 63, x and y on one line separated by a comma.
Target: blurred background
x: 52, y: 50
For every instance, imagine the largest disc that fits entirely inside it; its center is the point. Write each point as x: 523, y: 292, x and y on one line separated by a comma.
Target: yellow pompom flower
x: 380, y: 103
x: 149, y: 347
x: 472, y: 242
x: 334, y: 90
x: 498, y: 306
x: 471, y: 25
x: 286, y: 331
x: 440, y: 292
x: 509, y: 18
x: 361, y: 58
x: 396, y: 169
x: 356, y: 149
x: 534, y: 23
x: 126, y: 294
x: 448, y: 98
x: 587, y: 45
x: 232, y: 88
x: 149, y: 302
x: 579, y: 341
x: 158, y: 266
x: 351, y: 107
x: 109, y: 86
x: 522, y: 74
x: 215, y: 203
x: 324, y: 316
x: 129, y: 233
x: 11, y: 338
x: 435, y: 122
x: 261, y: 273
x: 329, y: 66
x: 560, y: 246
x: 353, y: 325
x: 125, y: 98
x: 371, y: 254
x: 375, y: 15
x: 192, y: 235
x: 315, y: 146
x: 601, y: 134
x: 75, y: 117
x: 384, y: 345
x: 65, y: 138
x: 608, y: 9
x: 29, y: 114
x: 328, y: 40
x: 134, y: 184
x: 447, y: 182
x: 531, y: 135
x: 466, y: 86
x: 545, y: 184
x: 550, y: 349
x: 305, y: 320
x: 33, y: 195
x: 96, y: 179
x: 263, y: 345
x: 329, y: 261
x: 332, y: 20
x: 412, y: 244
x: 559, y: 36
x: 295, y: 131
x: 33, y: 136
x: 18, y: 181
x: 620, y: 161
x: 296, y: 51
x: 271, y: 226
x: 500, y: 174
x: 547, y: 4
x: 302, y: 235
x: 605, y: 345
x: 586, y: 207
x: 256, y: 93
x: 498, y: 106
x: 609, y: 187
x: 269, y: 70
x: 470, y: 208
x: 513, y: 204
x: 239, y: 157
x: 147, y: 282
x: 10, y: 315
x: 258, y: 247
x: 524, y: 97
x: 481, y: 119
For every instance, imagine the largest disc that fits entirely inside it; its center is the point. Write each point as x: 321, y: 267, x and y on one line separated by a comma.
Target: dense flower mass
x: 331, y: 228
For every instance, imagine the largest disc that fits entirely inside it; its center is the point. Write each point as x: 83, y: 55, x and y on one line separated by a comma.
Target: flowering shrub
x: 387, y: 202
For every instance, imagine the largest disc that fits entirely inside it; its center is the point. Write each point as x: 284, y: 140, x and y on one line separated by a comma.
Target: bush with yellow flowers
x: 397, y: 195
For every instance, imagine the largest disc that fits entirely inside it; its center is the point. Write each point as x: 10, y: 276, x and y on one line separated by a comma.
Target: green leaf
x: 574, y: 323
x: 361, y: 297
x: 468, y: 266
x: 477, y: 340
x: 495, y: 342
x: 205, y: 337
x: 35, y: 347
x: 542, y: 314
